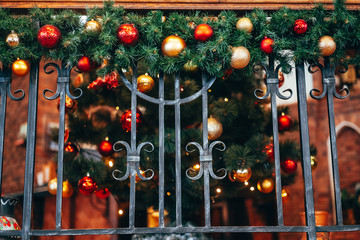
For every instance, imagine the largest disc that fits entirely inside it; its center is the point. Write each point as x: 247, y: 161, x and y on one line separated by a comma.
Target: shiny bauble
x: 288, y: 166
x: 12, y: 40
x: 266, y: 185
x: 244, y: 24
x: 327, y: 45
x: 85, y: 64
x: 87, y: 185
x: 172, y: 46
x: 70, y: 150
x: 93, y: 26
x: 190, y: 66
x: 240, y: 57
x: 105, y: 148
x: 68, y: 190
x: 102, y: 193
x: 20, y: 67
x: 52, y: 186
x: 281, y: 78
x: 127, y: 34
x: 269, y: 150
x: 313, y: 162
x: 266, y: 45
x: 145, y: 83
x: 300, y: 26
x: 215, y: 128
x: 285, y: 123
x: 203, y: 32
x: 49, y: 36
x: 242, y: 174
x: 126, y: 120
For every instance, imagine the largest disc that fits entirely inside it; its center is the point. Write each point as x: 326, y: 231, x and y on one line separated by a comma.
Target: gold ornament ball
x: 52, y: 186
x: 67, y: 190
x: 313, y: 162
x: 172, y: 46
x: 244, y: 24
x: 190, y: 66
x: 327, y: 45
x: 242, y: 174
x: 12, y: 39
x: 240, y: 57
x: 265, y: 185
x: 20, y: 67
x: 145, y: 83
x: 93, y: 26
x: 215, y: 128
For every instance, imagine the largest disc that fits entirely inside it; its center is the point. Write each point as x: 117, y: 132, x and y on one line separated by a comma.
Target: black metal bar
x: 30, y: 150
x: 161, y: 150
x: 3, y: 96
x: 178, y: 151
x: 305, y: 151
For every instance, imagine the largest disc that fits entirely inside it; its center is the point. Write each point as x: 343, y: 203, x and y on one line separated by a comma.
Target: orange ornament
x: 145, y: 83
x: 327, y: 45
x: 266, y: 185
x: 203, y: 32
x: 172, y: 46
x: 20, y: 67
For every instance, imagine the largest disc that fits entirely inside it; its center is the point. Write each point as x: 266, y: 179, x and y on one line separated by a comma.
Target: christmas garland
x: 213, y: 43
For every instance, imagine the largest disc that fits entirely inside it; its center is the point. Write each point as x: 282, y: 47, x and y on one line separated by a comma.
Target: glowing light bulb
x: 196, y: 166
x: 111, y: 163
x: 121, y: 212
x: 218, y: 190
x: 226, y: 99
x: 252, y: 188
x: 246, y: 183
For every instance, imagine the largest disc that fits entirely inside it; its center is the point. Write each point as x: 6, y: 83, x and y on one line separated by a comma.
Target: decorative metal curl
x: 5, y: 77
x: 63, y: 81
x: 328, y: 80
x: 205, y: 160
x: 133, y: 161
x: 272, y: 82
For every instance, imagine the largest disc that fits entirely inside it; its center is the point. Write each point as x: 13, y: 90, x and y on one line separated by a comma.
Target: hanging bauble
x: 313, y: 162
x: 288, y: 166
x: 172, y: 46
x: 190, y: 66
x: 203, y: 32
x: 244, y: 24
x: 127, y: 34
x: 85, y: 64
x: 52, y: 186
x: 102, y: 193
x: 300, y: 26
x: 71, y: 150
x: 12, y: 39
x: 20, y: 67
x: 67, y: 190
x: 269, y: 150
x: 126, y: 120
x: 285, y: 122
x: 281, y: 78
x: 49, y: 36
x: 105, y: 148
x: 327, y: 45
x: 285, y: 195
x: 240, y: 57
x: 215, y: 128
x: 266, y: 45
x: 145, y: 83
x: 242, y: 174
x: 87, y: 185
x: 93, y: 26
x: 265, y: 185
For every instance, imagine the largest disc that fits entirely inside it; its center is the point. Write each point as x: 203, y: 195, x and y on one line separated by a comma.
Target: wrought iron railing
x: 205, y: 151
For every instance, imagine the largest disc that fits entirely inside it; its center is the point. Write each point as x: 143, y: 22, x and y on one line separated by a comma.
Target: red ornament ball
x: 102, y: 193
x: 105, y: 148
x: 285, y: 122
x: 127, y: 34
x: 126, y: 120
x: 300, y: 26
x: 203, y: 32
x: 269, y: 150
x: 87, y: 185
x: 288, y: 166
x: 266, y: 45
x: 85, y: 64
x: 49, y: 36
